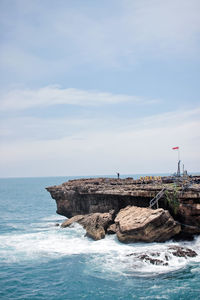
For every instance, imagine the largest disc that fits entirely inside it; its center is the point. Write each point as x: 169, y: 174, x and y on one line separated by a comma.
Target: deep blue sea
x: 41, y: 261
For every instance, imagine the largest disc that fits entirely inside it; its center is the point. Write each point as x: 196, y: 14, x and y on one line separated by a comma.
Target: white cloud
x: 170, y: 119
x: 143, y: 146
x: 53, y: 95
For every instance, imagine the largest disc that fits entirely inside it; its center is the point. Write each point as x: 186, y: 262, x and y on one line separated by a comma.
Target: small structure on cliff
x: 102, y: 195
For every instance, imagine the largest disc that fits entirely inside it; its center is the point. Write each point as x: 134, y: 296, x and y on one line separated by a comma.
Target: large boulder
x: 138, y: 224
x: 95, y: 224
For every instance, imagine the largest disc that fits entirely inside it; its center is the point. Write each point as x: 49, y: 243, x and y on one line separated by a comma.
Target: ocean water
x: 41, y: 261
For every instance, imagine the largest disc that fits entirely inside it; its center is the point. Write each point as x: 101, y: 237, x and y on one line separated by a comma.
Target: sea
x: 39, y: 260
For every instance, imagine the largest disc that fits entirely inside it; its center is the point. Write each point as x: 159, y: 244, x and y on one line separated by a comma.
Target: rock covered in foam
x: 137, y: 224
x: 182, y: 252
x: 156, y: 257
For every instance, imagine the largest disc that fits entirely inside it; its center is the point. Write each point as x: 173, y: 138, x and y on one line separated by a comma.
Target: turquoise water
x: 41, y: 261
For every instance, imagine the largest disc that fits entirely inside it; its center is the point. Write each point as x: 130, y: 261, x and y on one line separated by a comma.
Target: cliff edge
x: 101, y: 195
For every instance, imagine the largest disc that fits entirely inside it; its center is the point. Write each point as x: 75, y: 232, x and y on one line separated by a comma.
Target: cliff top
x: 131, y: 187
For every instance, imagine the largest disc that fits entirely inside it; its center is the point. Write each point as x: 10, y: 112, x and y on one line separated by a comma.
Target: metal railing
x: 157, y: 198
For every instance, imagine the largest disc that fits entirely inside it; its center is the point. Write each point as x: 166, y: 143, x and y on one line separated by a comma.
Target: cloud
x: 148, y: 46
x: 138, y: 146
x: 26, y: 128
x: 54, y: 95
x: 169, y: 119
x: 44, y: 39
x: 164, y: 27
x: 138, y: 151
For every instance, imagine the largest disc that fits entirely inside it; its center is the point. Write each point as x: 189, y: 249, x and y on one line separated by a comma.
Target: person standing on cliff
x: 118, y: 175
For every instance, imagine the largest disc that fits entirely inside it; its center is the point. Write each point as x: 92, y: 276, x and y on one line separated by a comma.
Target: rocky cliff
x: 100, y: 195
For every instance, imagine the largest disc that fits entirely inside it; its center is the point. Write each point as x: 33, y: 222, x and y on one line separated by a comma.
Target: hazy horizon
x: 122, y: 176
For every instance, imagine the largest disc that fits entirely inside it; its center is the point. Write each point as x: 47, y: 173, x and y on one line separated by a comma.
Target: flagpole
x: 178, y: 170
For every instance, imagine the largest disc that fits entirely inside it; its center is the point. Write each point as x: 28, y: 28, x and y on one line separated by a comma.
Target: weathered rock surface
x: 112, y: 229
x: 95, y: 224
x: 86, y: 196
x: 132, y: 224
x: 189, y: 215
x: 137, y: 224
x: 75, y: 219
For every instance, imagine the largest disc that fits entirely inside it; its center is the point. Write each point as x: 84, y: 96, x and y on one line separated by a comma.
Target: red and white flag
x: 175, y: 148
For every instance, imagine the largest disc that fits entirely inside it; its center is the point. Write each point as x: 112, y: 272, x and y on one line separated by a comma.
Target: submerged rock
x: 182, y: 252
x: 157, y: 258
x: 153, y: 261
x: 137, y: 224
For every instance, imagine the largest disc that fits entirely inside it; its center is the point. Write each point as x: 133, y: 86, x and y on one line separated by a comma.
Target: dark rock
x: 182, y: 252
x: 189, y: 215
x: 153, y: 261
x: 154, y: 257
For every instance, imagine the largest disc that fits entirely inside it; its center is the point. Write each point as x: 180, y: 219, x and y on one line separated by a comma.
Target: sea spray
x: 47, y: 240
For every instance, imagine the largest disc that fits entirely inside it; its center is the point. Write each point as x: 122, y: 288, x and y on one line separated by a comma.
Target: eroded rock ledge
x: 99, y: 196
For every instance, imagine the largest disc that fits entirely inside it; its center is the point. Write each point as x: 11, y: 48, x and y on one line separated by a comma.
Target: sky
x: 99, y: 87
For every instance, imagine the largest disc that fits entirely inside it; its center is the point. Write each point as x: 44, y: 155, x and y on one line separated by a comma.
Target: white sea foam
x: 107, y: 255
x: 54, y: 218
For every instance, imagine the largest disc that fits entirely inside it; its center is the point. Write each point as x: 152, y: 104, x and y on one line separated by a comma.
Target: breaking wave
x: 46, y: 241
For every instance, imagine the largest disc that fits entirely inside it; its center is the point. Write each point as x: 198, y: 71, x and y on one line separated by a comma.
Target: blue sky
x: 96, y: 87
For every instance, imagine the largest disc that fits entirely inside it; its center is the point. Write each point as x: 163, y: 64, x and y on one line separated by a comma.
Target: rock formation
x: 137, y: 224
x: 95, y: 224
x: 100, y: 195
x: 132, y: 224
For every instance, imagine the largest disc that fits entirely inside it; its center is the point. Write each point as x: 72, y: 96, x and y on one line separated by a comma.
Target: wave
x: 126, y: 259
x: 107, y: 255
x: 54, y: 218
